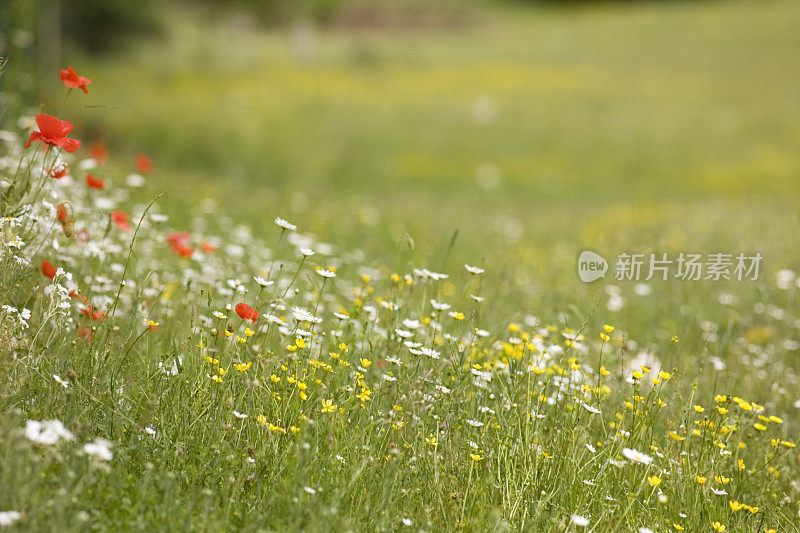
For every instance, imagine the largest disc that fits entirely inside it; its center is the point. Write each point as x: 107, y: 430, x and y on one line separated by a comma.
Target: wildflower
x: 239, y: 415
x: 654, y: 480
x: 474, y: 270
x: 94, y: 183
x: 7, y: 518
x: 121, y: 220
x: 718, y: 527
x: 242, y: 367
x: 285, y: 225
x: 47, y: 431
x: 457, y: 315
x: 636, y: 456
x: 432, y: 440
x: 608, y: 328
x: 72, y: 80
x: 700, y: 479
x: 326, y: 273
x: 263, y: 282
x: 579, y: 520
x: 143, y: 163
x: 699, y: 408
x: 664, y: 375
x: 246, y: 313
x: 151, y: 325
x: 309, y: 490
x: 99, y: 448
x: 328, y: 406
x: 475, y: 457
x: 49, y: 270
x: 53, y: 132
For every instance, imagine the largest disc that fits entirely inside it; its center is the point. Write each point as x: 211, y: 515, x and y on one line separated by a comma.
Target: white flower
x: 239, y: 415
x: 440, y: 306
x: 7, y: 518
x: 644, y: 530
x: 47, y: 431
x: 407, y: 522
x: 284, y: 224
x: 306, y: 252
x: 219, y: 315
x: 387, y: 377
x: 394, y: 361
x: 476, y: 298
x: 579, y: 520
x: 60, y: 381
x: 263, y: 282
x: 591, y: 409
x: 474, y: 270
x: 403, y: 334
x: 430, y: 352
x: 150, y: 430
x: 410, y: 324
x: 474, y: 423
x: 99, y: 448
x: 326, y: 273
x: 301, y: 315
x: 134, y: 180
x: 636, y: 456
x: 309, y: 490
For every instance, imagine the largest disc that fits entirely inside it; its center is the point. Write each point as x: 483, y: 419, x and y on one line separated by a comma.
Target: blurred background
x: 509, y: 133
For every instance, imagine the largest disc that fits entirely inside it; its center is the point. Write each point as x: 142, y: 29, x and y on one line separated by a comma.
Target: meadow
x: 340, y: 292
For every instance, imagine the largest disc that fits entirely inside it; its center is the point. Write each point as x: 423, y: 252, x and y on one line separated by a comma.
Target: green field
x: 513, y: 142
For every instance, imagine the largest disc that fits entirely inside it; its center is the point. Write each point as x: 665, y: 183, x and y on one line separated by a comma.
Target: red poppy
x: 207, y: 247
x: 91, y: 313
x: 53, y: 132
x: 63, y: 214
x: 94, y: 183
x: 48, y: 269
x: 58, y: 174
x: 99, y: 151
x: 143, y: 163
x: 179, y: 237
x: 72, y: 80
x: 121, y: 220
x: 86, y: 334
x: 246, y: 313
x: 183, y: 249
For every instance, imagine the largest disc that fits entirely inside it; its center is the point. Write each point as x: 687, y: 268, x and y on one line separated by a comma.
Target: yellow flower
x: 261, y: 419
x: 699, y: 408
x: 328, y: 406
x: 300, y: 343
x: 677, y: 527
x: 344, y: 347
x: 605, y: 337
x: 664, y: 375
x: 722, y: 410
x: 700, y: 479
x: 654, y: 480
x: 431, y: 440
x: 216, y: 378
x: 397, y: 407
x: 291, y: 347
x: 475, y: 457
x: 603, y: 371
x: 656, y: 381
x: 241, y: 367
x: 365, y: 362
x: 720, y: 398
x: 760, y: 427
x: 228, y: 333
x: 718, y: 527
x: 278, y: 429
x: 735, y: 506
x: 637, y: 375
x: 608, y: 328
x: 458, y: 315
x: 211, y: 360
x: 775, y: 419
x: 513, y: 328
x: 675, y: 436
x: 740, y: 464
x: 249, y: 332
x: 788, y: 444
x: 722, y: 480
x: 222, y: 371
x: 294, y: 429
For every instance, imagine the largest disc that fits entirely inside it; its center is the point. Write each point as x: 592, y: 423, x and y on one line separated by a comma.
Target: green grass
x: 668, y: 127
